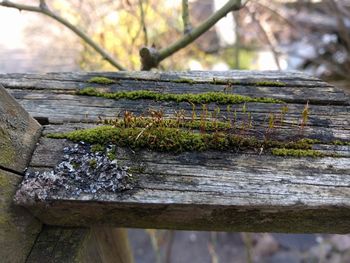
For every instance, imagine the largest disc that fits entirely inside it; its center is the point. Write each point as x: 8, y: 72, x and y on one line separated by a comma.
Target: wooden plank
x: 249, y: 190
x: 18, y: 136
x: 204, y: 190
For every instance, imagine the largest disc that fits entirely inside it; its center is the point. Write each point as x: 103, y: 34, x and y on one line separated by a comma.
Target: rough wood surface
x: 18, y: 228
x: 18, y: 136
x: 200, y: 190
x: 83, y: 245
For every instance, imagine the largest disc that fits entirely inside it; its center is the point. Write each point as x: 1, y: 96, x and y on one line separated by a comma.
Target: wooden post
x: 97, y: 244
x: 18, y: 135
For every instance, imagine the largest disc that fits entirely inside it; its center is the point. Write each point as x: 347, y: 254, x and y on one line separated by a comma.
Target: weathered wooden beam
x: 209, y: 190
x: 18, y: 136
x: 233, y: 190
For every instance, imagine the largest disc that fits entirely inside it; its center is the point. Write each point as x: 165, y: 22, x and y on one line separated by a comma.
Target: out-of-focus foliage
x: 118, y: 27
x: 309, y: 35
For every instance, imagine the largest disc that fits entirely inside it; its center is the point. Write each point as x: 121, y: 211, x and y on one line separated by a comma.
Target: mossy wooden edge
x: 178, y: 140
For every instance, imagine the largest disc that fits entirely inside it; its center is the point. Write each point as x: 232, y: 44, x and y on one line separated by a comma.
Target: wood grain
x: 235, y: 191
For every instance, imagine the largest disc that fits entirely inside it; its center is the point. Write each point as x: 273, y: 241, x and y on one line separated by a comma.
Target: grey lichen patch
x: 81, y: 171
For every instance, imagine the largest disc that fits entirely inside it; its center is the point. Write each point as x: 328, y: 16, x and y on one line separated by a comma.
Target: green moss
x: 8, y: 153
x: 111, y: 156
x: 342, y: 143
x: 75, y: 165
x: 170, y: 123
x: 136, y: 169
x: 296, y: 152
x: 223, y: 82
x: 174, y: 139
x: 189, y: 81
x: 202, y: 98
x: 4, y: 182
x: 97, y: 148
x: 92, y: 163
x: 268, y: 83
x: 101, y: 80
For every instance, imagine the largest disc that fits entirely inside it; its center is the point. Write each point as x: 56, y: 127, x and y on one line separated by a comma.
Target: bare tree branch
x: 343, y: 31
x: 186, y: 17
x: 199, y: 30
x: 277, y: 13
x: 43, y: 9
x: 187, y: 39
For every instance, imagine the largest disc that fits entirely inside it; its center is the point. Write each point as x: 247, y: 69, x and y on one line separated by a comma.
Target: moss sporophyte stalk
x: 207, y: 97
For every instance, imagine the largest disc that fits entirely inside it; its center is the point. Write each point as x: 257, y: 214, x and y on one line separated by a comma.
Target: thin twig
x: 343, y: 30
x: 199, y: 30
x: 238, y: 40
x: 247, y: 240
x: 43, y: 9
x: 143, y: 22
x: 276, y: 12
x: 169, y: 246
x: 267, y: 38
x: 186, y: 17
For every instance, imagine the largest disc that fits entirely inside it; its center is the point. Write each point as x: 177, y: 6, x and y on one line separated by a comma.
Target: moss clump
x: 101, y: 80
x: 169, y: 123
x: 173, y: 139
x: 111, y: 156
x: 92, y: 163
x: 189, y: 81
x: 268, y: 83
x: 8, y: 153
x: 296, y: 152
x: 201, y: 98
x: 223, y: 82
x: 97, y: 148
x: 341, y: 143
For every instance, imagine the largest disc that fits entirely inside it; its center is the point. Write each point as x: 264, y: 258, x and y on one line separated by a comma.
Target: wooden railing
x: 270, y: 154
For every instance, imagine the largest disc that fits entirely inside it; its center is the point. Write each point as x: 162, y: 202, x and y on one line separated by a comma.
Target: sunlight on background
x: 12, y: 26
x: 31, y: 42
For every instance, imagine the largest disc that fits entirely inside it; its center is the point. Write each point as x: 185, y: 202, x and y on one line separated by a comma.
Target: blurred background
x: 307, y: 35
